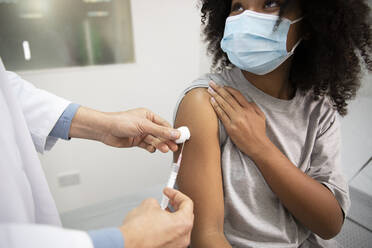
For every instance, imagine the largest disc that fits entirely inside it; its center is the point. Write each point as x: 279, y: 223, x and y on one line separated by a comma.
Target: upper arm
x: 200, y: 173
x: 325, y: 164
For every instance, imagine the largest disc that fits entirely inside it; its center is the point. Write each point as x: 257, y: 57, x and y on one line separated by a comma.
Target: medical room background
x: 94, y: 185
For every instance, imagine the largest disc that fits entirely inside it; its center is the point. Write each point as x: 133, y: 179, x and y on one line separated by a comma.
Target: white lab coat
x: 28, y: 214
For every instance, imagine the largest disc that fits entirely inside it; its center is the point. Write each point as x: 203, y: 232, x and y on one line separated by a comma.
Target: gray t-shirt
x: 307, y: 132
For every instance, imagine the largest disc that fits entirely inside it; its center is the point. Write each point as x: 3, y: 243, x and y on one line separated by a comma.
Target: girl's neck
x: 275, y: 83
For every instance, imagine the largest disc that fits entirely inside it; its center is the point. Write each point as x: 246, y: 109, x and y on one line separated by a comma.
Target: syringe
x: 172, y: 178
x: 185, y: 135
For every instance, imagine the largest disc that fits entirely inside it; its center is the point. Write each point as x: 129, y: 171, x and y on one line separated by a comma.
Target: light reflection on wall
x: 39, y: 34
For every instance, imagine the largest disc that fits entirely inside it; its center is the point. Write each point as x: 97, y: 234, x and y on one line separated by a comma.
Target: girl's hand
x: 244, y: 121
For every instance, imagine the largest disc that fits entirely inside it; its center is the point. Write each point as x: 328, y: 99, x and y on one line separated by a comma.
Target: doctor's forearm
x: 89, y: 124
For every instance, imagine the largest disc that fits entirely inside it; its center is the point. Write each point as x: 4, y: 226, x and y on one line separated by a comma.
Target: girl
x: 263, y: 163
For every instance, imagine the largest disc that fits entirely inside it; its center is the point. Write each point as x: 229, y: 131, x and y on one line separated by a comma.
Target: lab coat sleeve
x: 41, y: 110
x: 42, y: 236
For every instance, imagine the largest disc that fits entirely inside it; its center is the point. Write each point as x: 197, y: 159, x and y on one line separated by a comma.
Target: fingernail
x: 175, y: 148
x: 210, y: 90
x: 213, y: 100
x: 165, y: 148
x: 175, y: 134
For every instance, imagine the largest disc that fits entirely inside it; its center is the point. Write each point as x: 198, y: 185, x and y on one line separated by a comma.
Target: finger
x: 159, y: 120
x: 220, y: 112
x: 172, y: 145
x: 158, y: 131
x: 143, y: 145
x: 151, y: 203
x: 238, y: 96
x: 223, y: 104
x: 180, y: 202
x: 147, y: 147
x: 159, y: 144
x: 226, y: 95
x: 258, y: 110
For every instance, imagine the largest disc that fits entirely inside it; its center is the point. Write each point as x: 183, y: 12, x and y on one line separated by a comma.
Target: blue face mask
x: 252, y: 44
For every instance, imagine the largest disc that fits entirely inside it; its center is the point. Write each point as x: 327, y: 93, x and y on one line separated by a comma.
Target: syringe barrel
x: 170, y: 184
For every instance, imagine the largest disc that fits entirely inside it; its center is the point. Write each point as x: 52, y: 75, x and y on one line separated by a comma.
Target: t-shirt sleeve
x: 325, y: 164
x: 202, y: 82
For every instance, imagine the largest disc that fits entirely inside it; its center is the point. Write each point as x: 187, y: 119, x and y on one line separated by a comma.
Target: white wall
x: 167, y: 51
x: 357, y: 137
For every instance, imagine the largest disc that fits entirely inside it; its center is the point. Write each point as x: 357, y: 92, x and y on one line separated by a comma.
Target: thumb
x: 179, y: 201
x: 156, y: 130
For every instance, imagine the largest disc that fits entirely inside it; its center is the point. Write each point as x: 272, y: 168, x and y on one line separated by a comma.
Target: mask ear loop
x: 289, y: 54
x: 295, y: 46
x: 297, y: 20
x: 299, y: 41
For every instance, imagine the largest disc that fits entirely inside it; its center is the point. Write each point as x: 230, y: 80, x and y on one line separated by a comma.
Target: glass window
x: 39, y: 34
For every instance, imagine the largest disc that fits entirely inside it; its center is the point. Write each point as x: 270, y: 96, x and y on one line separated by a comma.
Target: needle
x: 180, y: 156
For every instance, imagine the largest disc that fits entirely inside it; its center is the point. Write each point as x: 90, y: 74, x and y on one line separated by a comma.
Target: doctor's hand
x: 137, y: 127
x: 148, y: 226
x: 244, y: 121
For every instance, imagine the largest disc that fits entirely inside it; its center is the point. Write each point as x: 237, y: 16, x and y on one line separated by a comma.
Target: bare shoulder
x: 197, y: 113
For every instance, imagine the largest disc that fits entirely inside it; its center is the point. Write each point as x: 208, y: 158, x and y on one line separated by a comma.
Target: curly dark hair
x: 329, y: 62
